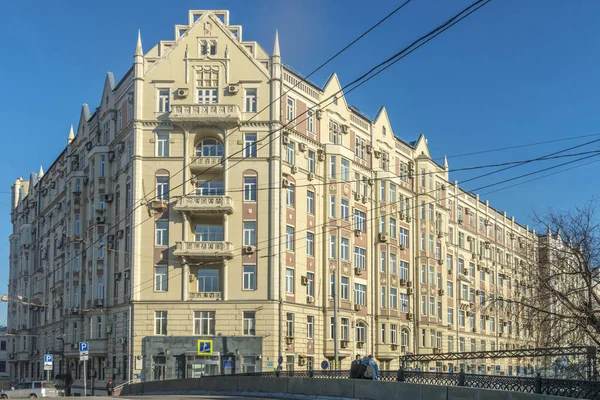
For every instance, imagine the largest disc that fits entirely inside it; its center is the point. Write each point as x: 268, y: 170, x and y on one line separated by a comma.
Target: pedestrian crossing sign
x: 205, y: 347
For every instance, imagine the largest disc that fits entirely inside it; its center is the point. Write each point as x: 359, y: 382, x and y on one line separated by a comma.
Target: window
x: 392, y: 193
x: 345, y: 288
x: 393, y: 298
x: 208, y: 233
x: 249, y: 277
x: 289, y: 195
x: 392, y: 263
x: 450, y: 316
x: 332, y: 167
x: 250, y: 146
x: 359, y: 221
x: 431, y: 212
x: 334, y: 133
x: 250, y: 188
x: 403, y: 302
x: 204, y: 322
x: 311, y: 161
x: 249, y: 323
x: 345, y: 210
x: 392, y: 227
x: 209, y: 147
x: 310, y: 326
x: 404, y: 237
x: 208, y: 96
x: 359, y: 257
x: 208, y: 280
x: 431, y: 307
x: 310, y: 244
x: 422, y: 174
x: 310, y: 202
x: 383, y: 296
x: 404, y: 270
x: 160, y: 323
x: 289, y: 280
x: 383, y: 261
x: 423, y: 274
x: 310, y: 286
x: 162, y: 188
x: 345, y: 170
x: 422, y: 241
x: 210, y: 188
x: 291, y: 153
x: 360, y: 294
x: 310, y: 121
x: 161, y: 279
x: 361, y: 332
x: 289, y: 238
x: 163, y: 100
x: 382, y: 191
x: 345, y: 249
x: 250, y: 96
x: 162, y: 233
x: 291, y: 109
x: 359, y: 148
x: 382, y: 333
x: 162, y: 145
x: 461, y: 318
x: 423, y: 305
x: 289, y: 325
x: 77, y: 224
x: 331, y: 206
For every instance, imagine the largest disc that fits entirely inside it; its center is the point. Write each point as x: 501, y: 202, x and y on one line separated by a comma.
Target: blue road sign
x: 48, y: 359
x: 451, y: 370
x: 269, y: 363
x: 280, y: 360
x: 227, y: 364
x: 84, y: 346
x: 205, y: 347
x: 324, y: 365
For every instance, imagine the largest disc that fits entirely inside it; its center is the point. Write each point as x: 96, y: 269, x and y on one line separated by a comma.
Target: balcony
x: 200, y: 164
x: 222, y: 115
x: 204, y: 204
x: 205, y: 250
x: 205, y: 296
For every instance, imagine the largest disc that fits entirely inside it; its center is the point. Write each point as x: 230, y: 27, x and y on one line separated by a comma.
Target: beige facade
x: 215, y: 193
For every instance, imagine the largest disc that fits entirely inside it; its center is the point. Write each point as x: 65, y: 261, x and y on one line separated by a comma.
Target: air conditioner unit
x: 109, y: 329
x: 310, y: 299
x: 440, y: 234
x: 117, y: 276
x: 383, y: 237
x: 409, y: 316
x: 121, y: 147
x: 108, y: 198
x: 357, y: 232
x: 460, y: 221
x: 294, y: 169
x: 285, y: 182
x: 285, y: 139
x: 182, y: 92
x: 111, y: 156
x: 124, y: 340
x: 475, y: 330
x: 344, y: 344
x: 159, y: 205
x: 301, y: 361
x: 436, y: 350
x: 345, y: 129
x: 408, y: 283
x: 441, y: 292
x: 409, y: 291
x: 360, y: 345
x: 100, y: 220
x: 364, y: 199
x: 304, y: 280
x: 289, y: 340
x: 377, y: 154
x: 86, y: 180
x: 89, y: 146
x: 401, y: 247
x: 233, y: 89
x: 120, y: 234
x: 357, y: 307
x: 440, y: 262
x: 402, y: 282
x: 370, y: 181
x: 320, y: 155
x: 127, y: 274
x: 357, y: 196
x: 358, y: 271
x: 191, y: 277
x: 394, y: 347
x: 311, y: 176
x: 302, y: 147
x: 250, y: 249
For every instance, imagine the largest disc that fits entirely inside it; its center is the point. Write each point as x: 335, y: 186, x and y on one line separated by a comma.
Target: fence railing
x: 579, y: 389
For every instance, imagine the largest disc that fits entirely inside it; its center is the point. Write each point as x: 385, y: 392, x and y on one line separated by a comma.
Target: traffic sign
x: 205, y: 347
x: 227, y: 364
x: 48, y: 359
x: 280, y: 360
x: 451, y: 370
x: 84, y: 357
x: 47, y: 367
x: 84, y: 347
x: 324, y: 365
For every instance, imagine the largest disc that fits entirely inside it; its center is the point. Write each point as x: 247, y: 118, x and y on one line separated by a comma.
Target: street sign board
x: 48, y: 359
x: 280, y: 360
x: 227, y: 364
x: 205, y: 347
x: 47, y: 367
x: 84, y: 347
x: 84, y: 357
x: 324, y: 365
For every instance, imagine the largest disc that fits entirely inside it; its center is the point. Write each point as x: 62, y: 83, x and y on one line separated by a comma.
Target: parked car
x: 32, y: 389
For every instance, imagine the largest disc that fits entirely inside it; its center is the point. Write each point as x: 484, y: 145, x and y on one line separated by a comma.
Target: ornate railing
x: 200, y: 161
x: 210, y: 114
x: 204, y: 204
x: 579, y: 389
x: 204, y: 249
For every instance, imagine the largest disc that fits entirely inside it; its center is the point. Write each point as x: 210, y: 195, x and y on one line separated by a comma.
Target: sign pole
x: 84, y: 380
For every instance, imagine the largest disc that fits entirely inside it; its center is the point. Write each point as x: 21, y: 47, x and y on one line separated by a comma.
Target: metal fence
x: 559, y: 387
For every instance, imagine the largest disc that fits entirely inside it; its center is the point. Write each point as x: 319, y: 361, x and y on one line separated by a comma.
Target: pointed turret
x: 41, y: 173
x: 445, y: 163
x: 71, y: 135
x: 138, y: 46
x: 276, y: 45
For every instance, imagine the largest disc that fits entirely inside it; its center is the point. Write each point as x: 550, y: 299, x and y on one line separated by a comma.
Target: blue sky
x: 515, y: 72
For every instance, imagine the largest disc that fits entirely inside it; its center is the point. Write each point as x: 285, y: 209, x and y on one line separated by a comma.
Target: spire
x: 138, y: 46
x: 445, y: 163
x: 71, y: 135
x: 276, y: 45
x: 41, y: 173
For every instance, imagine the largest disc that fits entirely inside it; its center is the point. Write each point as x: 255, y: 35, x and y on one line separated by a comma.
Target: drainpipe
x: 373, y: 269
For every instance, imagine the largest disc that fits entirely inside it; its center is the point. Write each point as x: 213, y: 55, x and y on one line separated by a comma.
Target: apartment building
x: 216, y: 208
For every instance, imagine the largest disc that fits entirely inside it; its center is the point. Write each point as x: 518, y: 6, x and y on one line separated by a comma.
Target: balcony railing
x: 201, y: 163
x: 205, y: 296
x: 204, y: 249
x: 204, y: 204
x: 223, y: 115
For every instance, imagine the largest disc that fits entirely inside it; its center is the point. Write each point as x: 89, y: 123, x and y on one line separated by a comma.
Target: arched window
x: 209, y: 147
x: 404, y: 337
x: 361, y: 332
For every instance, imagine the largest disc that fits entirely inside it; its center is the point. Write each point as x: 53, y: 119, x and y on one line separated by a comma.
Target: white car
x: 32, y: 389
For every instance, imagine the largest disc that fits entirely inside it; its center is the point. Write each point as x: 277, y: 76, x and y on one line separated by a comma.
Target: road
x: 190, y: 397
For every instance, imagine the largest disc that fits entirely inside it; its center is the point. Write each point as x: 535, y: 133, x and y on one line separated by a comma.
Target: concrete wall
x: 340, y: 388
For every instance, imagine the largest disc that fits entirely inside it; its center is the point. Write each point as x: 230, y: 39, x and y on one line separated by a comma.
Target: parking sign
x: 47, y: 359
x: 84, y: 347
